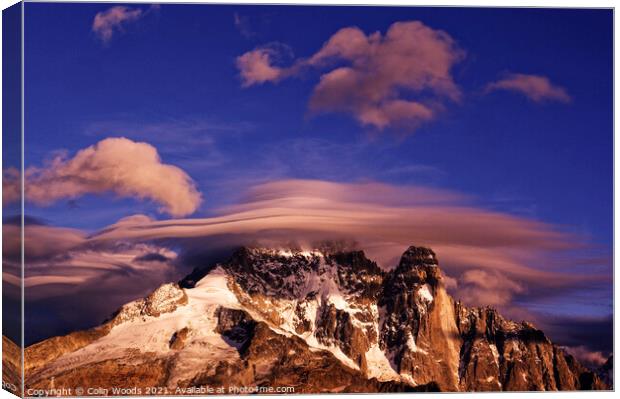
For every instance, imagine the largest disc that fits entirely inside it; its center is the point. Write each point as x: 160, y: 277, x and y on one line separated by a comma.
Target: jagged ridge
x: 272, y: 317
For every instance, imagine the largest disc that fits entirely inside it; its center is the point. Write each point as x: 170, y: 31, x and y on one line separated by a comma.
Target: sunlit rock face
x: 418, y: 333
x: 319, y: 321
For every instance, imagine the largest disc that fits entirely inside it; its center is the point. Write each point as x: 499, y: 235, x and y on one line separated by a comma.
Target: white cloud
x: 587, y: 356
x: 118, y: 165
x: 535, y: 87
x: 486, y: 288
x: 113, y: 20
x: 257, y: 67
x: 398, y: 79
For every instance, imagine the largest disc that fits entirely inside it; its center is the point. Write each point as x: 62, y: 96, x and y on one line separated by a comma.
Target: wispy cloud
x: 384, y: 219
x: 483, y: 249
x: 586, y: 356
x: 486, y: 288
x: 399, y: 79
x: 242, y: 23
x: 197, y: 134
x: 258, y: 66
x: 115, y: 19
x: 61, y: 267
x: 61, y: 260
x: 535, y: 87
x: 118, y: 165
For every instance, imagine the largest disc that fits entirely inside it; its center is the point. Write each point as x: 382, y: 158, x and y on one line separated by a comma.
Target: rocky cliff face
x: 314, y: 321
x: 11, y: 366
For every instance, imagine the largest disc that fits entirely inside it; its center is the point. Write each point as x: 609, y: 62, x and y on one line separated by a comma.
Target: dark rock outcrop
x: 606, y: 372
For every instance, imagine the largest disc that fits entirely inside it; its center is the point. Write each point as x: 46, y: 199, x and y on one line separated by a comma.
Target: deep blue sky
x: 170, y: 79
x: 177, y: 66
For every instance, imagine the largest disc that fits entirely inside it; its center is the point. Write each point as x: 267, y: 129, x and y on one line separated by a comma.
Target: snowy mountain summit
x: 317, y: 321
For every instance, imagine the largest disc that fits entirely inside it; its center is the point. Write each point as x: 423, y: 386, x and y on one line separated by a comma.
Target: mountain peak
x: 419, y: 264
x: 326, y: 312
x: 417, y: 256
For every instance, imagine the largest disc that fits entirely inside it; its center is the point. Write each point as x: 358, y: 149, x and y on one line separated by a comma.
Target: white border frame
x: 437, y: 3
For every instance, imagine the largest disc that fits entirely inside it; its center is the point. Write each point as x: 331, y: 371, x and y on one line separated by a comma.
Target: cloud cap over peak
x: 119, y: 165
x: 535, y: 87
x: 490, y: 258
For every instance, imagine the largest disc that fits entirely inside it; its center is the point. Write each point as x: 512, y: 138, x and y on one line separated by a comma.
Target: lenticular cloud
x: 490, y: 257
